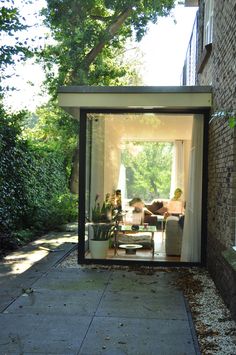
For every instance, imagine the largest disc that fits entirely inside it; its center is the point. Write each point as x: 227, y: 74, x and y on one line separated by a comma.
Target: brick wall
x: 220, y: 72
x: 224, y: 54
x: 220, y: 182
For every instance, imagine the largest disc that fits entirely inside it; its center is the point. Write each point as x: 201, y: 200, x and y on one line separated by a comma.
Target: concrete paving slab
x: 160, y: 305
x: 43, y: 301
x: 135, y: 336
x: 91, y: 311
x: 23, y: 267
x: 74, y: 280
x: 12, y: 285
x: 42, y: 334
x: 49, y: 248
x: 135, y: 281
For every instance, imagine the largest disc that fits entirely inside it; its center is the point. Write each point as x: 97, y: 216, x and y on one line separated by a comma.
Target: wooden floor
x: 144, y: 254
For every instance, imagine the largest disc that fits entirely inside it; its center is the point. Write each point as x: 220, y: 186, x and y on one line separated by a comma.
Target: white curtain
x: 191, y: 245
x: 177, y: 173
x: 122, y: 181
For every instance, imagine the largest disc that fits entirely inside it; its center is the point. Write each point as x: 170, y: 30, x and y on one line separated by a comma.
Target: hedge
x: 33, y: 183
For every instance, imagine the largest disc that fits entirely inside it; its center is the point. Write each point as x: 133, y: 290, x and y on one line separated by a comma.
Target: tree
x: 89, y: 35
x: 13, y: 48
x: 148, y: 169
x: 52, y: 128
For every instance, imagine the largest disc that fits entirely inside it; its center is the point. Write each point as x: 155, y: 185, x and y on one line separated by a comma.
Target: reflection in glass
x: 136, y: 155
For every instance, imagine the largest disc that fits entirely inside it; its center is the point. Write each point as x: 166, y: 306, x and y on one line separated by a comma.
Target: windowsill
x: 204, y: 58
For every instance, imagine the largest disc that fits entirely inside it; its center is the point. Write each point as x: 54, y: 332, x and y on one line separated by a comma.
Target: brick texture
x: 220, y: 72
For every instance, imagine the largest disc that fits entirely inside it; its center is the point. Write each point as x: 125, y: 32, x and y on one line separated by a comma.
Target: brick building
x: 211, y: 60
x: 210, y: 67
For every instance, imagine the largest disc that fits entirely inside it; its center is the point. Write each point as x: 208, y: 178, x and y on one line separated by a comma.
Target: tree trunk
x: 74, y: 176
x: 110, y: 32
x: 112, y: 29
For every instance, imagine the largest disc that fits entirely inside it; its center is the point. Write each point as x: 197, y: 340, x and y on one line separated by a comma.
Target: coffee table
x: 131, y: 248
x: 129, y: 229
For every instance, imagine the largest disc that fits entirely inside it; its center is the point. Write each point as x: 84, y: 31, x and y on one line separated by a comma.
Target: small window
x: 208, y: 22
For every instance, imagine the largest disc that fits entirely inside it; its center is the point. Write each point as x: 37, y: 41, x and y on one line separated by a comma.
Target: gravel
x: 216, y: 331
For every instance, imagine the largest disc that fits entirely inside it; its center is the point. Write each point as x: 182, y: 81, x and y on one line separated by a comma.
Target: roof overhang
x: 74, y: 98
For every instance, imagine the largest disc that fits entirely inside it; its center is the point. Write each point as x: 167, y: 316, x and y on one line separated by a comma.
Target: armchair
x: 155, y: 208
x: 174, y: 234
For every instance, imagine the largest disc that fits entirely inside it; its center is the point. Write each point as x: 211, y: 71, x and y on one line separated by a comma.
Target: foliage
x: 35, y: 164
x: 46, y: 182
x: 148, y: 169
x: 33, y: 182
x: 52, y: 128
x: 23, y: 236
x: 13, y: 170
x: 90, y: 38
x: 12, y: 48
x: 7, y: 243
x: 109, y: 209
x: 102, y: 231
x: 101, y: 213
x: 89, y: 35
x: 63, y: 208
x: 232, y: 121
x: 229, y: 115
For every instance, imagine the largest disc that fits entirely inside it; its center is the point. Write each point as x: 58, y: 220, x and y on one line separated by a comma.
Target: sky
x: 163, y: 48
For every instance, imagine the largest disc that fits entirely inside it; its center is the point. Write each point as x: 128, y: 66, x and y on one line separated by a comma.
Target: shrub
x: 62, y: 209
x: 33, y: 185
x: 7, y: 243
x: 23, y: 236
x: 13, y: 168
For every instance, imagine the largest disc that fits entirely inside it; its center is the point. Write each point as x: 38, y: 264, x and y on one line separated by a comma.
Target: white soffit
x: 183, y: 97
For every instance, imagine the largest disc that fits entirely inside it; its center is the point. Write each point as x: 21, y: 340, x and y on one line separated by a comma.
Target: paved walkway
x: 49, y: 310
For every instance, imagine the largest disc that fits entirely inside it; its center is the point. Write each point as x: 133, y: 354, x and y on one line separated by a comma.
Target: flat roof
x: 133, y: 89
x: 72, y: 98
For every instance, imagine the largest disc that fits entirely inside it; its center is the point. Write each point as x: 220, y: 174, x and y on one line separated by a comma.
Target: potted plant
x: 104, y: 213
x: 105, y: 219
x: 100, y: 234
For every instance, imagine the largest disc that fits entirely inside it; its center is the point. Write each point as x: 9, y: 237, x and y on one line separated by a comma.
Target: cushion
x: 154, y: 206
x: 147, y: 212
x: 161, y: 210
x: 175, y: 207
x: 145, y: 239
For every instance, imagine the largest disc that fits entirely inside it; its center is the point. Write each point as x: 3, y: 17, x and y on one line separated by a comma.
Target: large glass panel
x: 134, y: 164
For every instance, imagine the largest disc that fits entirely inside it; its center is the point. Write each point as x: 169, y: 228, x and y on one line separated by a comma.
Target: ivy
x: 229, y: 115
x: 33, y: 182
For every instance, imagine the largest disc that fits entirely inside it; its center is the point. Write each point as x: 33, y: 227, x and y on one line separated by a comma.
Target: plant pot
x: 98, y: 248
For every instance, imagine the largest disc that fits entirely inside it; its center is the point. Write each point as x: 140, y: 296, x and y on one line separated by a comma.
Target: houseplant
x: 105, y: 220
x: 99, y: 238
x: 110, y: 209
x: 102, y: 227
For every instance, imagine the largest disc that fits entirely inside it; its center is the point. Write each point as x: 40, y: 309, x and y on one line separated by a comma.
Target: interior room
x: 144, y: 156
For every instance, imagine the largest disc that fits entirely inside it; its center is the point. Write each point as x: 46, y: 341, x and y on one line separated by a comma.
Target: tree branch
x: 100, y: 18
x: 110, y: 32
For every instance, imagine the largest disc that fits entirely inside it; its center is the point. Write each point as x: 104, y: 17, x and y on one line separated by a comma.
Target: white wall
x: 106, y: 153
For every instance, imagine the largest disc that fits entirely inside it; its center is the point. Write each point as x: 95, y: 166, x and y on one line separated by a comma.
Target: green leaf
x: 232, y: 122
